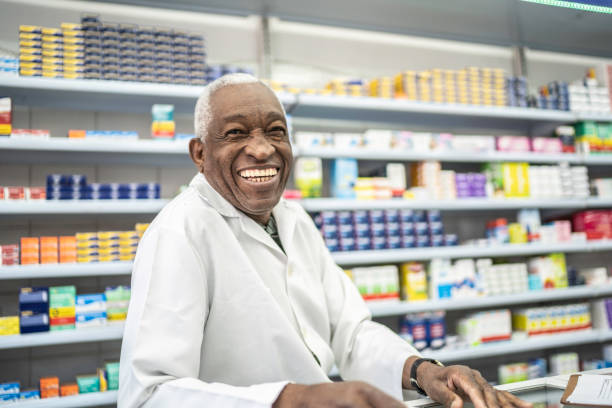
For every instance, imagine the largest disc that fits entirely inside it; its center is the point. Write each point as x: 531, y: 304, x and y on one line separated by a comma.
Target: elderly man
x: 237, y: 302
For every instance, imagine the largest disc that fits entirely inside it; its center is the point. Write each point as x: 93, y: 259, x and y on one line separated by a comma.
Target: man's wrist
x: 415, y: 370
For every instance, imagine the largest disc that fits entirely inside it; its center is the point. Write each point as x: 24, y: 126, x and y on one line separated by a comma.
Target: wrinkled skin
x: 248, y: 131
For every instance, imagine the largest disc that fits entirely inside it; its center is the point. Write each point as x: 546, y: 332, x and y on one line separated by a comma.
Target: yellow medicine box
x: 52, y: 39
x: 59, y: 312
x: 30, y: 29
x: 74, y: 48
x: 49, y: 74
x: 30, y: 72
x: 52, y: 46
x: 30, y: 37
x: 51, y: 31
x: 73, y: 40
x: 73, y: 75
x: 71, y: 26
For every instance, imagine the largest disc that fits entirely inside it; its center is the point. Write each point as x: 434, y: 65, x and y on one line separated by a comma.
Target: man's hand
x: 455, y: 384
x: 346, y: 394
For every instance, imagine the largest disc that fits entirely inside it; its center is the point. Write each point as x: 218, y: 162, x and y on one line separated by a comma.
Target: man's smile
x: 259, y: 174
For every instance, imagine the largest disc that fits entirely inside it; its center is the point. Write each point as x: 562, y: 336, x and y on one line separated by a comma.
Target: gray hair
x: 203, y: 111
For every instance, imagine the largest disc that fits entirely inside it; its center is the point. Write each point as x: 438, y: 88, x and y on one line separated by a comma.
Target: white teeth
x: 259, y: 174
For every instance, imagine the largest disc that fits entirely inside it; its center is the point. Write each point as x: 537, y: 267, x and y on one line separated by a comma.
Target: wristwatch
x: 413, y: 373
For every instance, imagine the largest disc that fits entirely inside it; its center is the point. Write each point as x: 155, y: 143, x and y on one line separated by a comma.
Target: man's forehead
x: 245, y: 99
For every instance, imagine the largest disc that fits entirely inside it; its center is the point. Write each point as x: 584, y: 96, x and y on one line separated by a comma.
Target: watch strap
x: 413, y: 373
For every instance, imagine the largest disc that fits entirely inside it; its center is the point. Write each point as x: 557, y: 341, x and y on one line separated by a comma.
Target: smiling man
x: 237, y: 302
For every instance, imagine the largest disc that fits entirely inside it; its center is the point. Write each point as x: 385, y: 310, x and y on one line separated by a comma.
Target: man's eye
x: 234, y: 132
x: 278, y: 131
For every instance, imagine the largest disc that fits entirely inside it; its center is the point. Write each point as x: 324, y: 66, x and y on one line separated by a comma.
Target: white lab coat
x: 220, y: 316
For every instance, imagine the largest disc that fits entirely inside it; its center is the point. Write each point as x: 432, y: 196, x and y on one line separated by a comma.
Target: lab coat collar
x: 212, y: 197
x: 285, y: 218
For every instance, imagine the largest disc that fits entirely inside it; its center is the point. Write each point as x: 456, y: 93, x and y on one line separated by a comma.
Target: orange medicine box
x: 49, y: 387
x: 67, y: 249
x: 48, y: 250
x: 29, y: 250
x: 69, y: 389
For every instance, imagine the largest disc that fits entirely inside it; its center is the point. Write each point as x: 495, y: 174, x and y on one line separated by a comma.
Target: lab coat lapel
x: 285, y: 221
x: 257, y: 232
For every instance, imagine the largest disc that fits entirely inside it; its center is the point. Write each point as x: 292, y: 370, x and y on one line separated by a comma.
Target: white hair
x: 203, y: 111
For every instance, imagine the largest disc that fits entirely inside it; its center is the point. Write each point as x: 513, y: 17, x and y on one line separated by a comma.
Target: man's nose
x: 259, y: 147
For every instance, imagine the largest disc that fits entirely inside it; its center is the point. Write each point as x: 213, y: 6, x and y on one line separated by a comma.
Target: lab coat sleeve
x: 160, y: 357
x: 364, y: 350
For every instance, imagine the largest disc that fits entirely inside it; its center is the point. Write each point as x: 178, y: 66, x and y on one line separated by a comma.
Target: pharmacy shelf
x: 113, y: 331
x: 423, y: 113
x: 462, y: 157
x: 98, y: 95
x: 371, y: 257
x: 110, y: 151
x: 44, y: 207
x: 334, y: 204
x: 391, y: 308
x: 64, y: 270
x: 92, y: 399
x: 597, y: 117
x: 541, y: 342
x: 459, y: 157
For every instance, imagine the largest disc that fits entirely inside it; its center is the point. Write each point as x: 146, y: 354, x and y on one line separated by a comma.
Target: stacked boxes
x: 380, y: 229
x: 555, y: 95
x: 67, y: 249
x: 62, y: 312
x: 69, y: 389
x: 424, y: 330
x: 108, y: 246
x: 9, y: 392
x: 554, y: 319
x: 485, y: 327
x: 90, y: 310
x: 593, y: 137
x: 73, y: 51
x: 30, y: 50
x: 376, y: 282
x: 10, y: 255
x: 469, y: 185
x: 9, y: 325
x: 597, y: 224
x: 117, y: 302
x: 67, y: 187
x: 9, y: 65
x: 140, y: 228
x: 127, y: 244
x: 52, y: 53
x: 33, y: 310
x: 6, y: 117
x: 428, y: 175
x: 87, y: 247
x: 29, y: 250
x: 502, y: 279
x: 75, y: 187
x: 49, y: 250
x: 163, y: 125
x: 49, y: 387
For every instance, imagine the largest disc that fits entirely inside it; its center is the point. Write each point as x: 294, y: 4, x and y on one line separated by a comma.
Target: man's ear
x: 196, y: 152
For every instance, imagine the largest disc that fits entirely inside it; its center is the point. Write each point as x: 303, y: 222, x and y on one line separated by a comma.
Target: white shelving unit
x: 460, y: 157
x: 49, y: 207
x: 372, y: 257
x: 396, y: 307
x: 541, y: 342
x: 64, y: 270
x: 112, y: 331
x: 103, y: 151
x: 335, y: 204
x: 92, y: 399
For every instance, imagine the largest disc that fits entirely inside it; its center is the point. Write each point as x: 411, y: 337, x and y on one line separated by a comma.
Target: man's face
x: 247, y: 155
